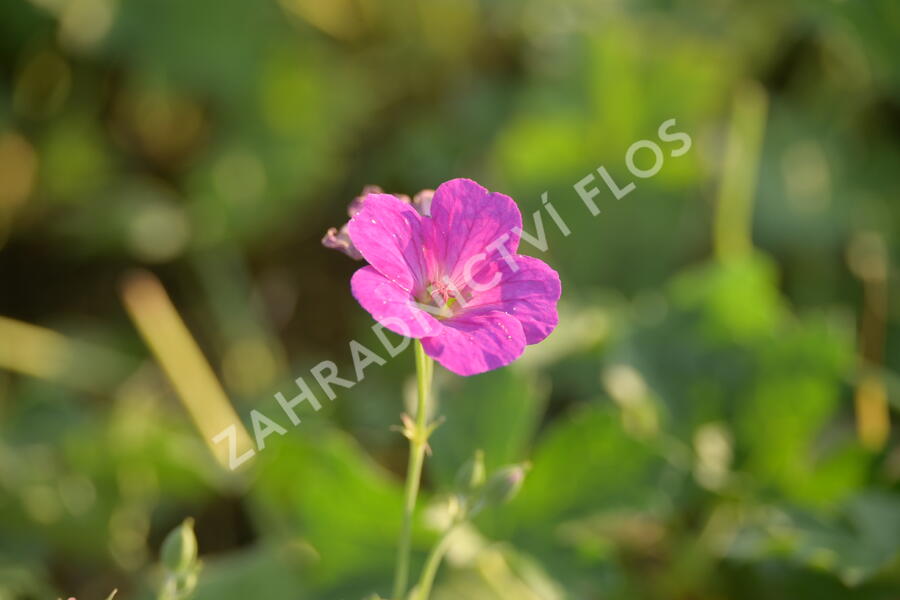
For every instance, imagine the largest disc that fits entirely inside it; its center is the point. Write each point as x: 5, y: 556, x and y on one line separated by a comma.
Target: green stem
x: 423, y: 588
x: 418, y: 440
x: 733, y: 223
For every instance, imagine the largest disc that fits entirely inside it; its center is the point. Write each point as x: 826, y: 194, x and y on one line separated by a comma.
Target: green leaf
x: 855, y: 548
x: 496, y: 412
x: 585, y: 463
x: 739, y: 299
x: 266, y: 572
x: 320, y: 486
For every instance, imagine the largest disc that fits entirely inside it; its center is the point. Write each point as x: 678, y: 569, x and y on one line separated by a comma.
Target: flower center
x: 442, y: 299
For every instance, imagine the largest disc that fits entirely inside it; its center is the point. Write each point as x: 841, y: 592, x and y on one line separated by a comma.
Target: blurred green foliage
x: 704, y: 423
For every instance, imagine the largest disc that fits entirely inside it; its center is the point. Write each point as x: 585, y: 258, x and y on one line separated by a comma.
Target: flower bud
x: 471, y: 475
x: 179, y: 550
x: 503, y: 485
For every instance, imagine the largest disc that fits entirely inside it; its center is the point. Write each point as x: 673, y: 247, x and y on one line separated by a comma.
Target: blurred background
x: 710, y: 420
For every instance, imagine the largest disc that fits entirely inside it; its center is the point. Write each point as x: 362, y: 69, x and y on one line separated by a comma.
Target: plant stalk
x: 423, y: 588
x: 418, y: 441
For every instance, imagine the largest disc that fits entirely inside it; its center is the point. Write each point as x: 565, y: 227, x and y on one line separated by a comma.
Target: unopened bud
x: 179, y: 550
x: 503, y: 485
x: 471, y: 475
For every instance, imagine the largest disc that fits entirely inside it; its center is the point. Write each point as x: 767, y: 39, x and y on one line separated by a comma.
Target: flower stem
x: 418, y: 440
x: 733, y: 223
x: 423, y: 588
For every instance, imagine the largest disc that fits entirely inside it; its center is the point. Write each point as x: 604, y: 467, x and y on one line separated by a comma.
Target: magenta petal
x: 391, y: 305
x: 338, y: 239
x: 387, y: 232
x: 466, y: 220
x: 529, y: 293
x: 472, y: 344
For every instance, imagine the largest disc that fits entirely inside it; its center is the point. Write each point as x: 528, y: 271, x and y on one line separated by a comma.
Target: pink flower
x: 451, y: 276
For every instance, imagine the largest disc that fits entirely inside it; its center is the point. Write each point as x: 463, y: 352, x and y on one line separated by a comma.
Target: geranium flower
x: 451, y: 277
